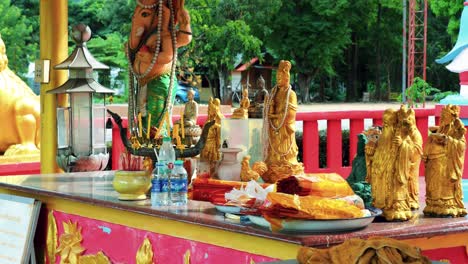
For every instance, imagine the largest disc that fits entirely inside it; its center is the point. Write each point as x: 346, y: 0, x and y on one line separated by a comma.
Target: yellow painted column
x: 53, y: 47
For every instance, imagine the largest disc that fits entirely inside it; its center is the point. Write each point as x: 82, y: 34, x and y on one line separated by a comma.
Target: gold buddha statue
x: 243, y: 111
x: 444, y: 156
x: 187, y: 125
x: 20, y: 113
x: 256, y: 108
x: 280, y: 122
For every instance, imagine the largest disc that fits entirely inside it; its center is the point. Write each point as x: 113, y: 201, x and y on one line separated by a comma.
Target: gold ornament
x: 145, y: 253
x: 187, y: 257
x: 99, y: 258
x: 51, y: 243
x: 70, y: 243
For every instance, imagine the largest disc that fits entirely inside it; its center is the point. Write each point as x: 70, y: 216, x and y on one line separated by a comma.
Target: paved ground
x: 319, y: 107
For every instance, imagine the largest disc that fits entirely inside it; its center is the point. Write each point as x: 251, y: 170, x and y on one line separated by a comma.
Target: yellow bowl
x: 132, y: 185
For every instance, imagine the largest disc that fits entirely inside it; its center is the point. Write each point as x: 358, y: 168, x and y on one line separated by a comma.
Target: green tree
x: 220, y: 37
x: 15, y: 31
x: 312, y: 33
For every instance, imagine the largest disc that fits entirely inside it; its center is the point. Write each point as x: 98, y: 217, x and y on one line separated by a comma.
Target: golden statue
x: 393, y: 160
x: 243, y: 111
x: 20, y: 113
x: 187, y: 125
x: 256, y: 108
x: 210, y: 151
x: 409, y: 139
x: 444, y: 156
x: 280, y: 120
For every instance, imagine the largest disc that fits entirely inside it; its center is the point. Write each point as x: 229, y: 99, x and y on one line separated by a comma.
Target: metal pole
x: 403, y: 64
x: 54, y: 47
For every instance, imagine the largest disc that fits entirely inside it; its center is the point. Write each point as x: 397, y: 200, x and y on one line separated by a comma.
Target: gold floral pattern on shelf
x: 70, y: 243
x: 99, y: 258
x: 187, y: 257
x: 51, y: 237
x: 70, y: 248
x: 145, y: 253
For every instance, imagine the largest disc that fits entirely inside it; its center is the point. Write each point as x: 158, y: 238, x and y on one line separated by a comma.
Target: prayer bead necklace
x: 158, y: 45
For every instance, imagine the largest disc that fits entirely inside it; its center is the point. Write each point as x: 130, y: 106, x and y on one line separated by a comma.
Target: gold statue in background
x: 444, y: 156
x: 187, y: 127
x: 280, y: 121
x: 256, y: 108
x: 243, y: 111
x: 20, y: 113
x: 395, y: 159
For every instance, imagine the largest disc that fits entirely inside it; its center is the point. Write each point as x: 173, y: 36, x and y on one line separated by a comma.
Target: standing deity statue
x: 280, y: 123
x: 159, y: 27
x: 393, y: 160
x: 243, y: 111
x: 210, y: 151
x: 444, y: 156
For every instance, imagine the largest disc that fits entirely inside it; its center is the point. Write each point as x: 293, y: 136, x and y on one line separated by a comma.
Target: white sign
x: 18, y: 219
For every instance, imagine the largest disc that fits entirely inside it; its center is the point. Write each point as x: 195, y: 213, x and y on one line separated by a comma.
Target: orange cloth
x: 281, y: 205
x: 212, y: 190
x: 318, y: 184
x: 359, y: 251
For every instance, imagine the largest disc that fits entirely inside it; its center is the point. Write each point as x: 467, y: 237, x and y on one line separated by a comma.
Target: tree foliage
x: 15, y: 29
x: 338, y: 49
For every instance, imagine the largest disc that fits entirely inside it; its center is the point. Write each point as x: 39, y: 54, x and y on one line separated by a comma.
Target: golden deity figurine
x: 409, y: 140
x: 20, y: 114
x: 280, y: 123
x: 243, y: 111
x: 444, y: 156
x: 210, y: 151
x: 394, y: 159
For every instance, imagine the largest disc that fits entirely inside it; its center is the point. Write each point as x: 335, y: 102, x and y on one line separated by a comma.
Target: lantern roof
x: 81, y: 58
x: 462, y: 40
x: 81, y: 85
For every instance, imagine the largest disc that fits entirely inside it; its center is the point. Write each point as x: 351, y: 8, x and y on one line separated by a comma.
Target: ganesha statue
x: 159, y: 28
x: 20, y: 113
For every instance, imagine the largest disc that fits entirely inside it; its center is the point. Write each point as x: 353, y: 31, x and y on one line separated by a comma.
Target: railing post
x: 310, y: 145
x: 334, y: 144
x: 356, y: 126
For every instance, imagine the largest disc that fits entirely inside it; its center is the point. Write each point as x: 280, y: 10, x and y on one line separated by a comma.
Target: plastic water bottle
x: 166, y: 156
x: 166, y: 153
x: 159, y: 186
x: 179, y: 184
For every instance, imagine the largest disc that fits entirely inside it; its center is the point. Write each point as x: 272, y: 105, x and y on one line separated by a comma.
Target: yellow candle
x: 139, y: 125
x: 175, y: 132
x: 182, y: 125
x: 148, y: 131
x: 168, y: 123
x: 161, y: 123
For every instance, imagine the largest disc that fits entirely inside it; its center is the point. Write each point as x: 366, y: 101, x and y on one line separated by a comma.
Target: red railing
x: 334, y: 149
x: 310, y: 143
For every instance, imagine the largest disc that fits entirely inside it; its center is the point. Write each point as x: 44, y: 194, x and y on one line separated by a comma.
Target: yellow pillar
x: 54, y: 47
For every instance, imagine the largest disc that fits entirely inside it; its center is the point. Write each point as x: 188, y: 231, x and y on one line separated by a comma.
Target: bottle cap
x: 179, y: 162
x: 166, y: 139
